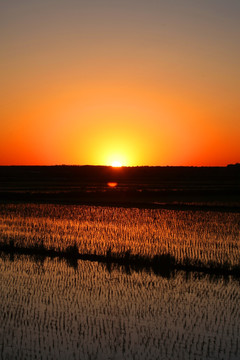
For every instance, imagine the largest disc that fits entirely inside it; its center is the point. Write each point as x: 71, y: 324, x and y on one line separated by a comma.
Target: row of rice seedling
x: 51, y: 311
x: 191, y: 237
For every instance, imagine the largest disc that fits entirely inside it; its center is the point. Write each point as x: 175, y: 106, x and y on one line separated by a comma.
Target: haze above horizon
x: 128, y: 83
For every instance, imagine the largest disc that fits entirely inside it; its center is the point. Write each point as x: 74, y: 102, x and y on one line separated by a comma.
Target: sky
x: 133, y: 81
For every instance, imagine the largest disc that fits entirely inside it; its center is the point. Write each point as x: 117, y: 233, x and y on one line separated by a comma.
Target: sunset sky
x: 139, y: 82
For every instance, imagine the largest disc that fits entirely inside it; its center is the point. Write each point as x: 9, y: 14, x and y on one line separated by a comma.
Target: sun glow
x: 116, y: 164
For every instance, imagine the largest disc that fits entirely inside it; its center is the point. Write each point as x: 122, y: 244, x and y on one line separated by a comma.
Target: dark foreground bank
x: 162, y: 264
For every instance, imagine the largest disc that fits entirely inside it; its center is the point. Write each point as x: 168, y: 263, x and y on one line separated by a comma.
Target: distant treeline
x: 139, y: 174
x: 143, y: 186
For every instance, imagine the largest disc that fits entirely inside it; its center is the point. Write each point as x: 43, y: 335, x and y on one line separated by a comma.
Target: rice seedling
x: 52, y: 311
x: 192, y: 238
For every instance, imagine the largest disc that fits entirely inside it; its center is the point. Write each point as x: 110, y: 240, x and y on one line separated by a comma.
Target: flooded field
x: 205, y: 237
x: 62, y: 309
x: 50, y: 310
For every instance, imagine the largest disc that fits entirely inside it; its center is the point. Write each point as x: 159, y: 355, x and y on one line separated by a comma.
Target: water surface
x: 50, y: 310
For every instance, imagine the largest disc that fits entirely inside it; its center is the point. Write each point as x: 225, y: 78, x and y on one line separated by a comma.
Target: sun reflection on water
x: 112, y: 184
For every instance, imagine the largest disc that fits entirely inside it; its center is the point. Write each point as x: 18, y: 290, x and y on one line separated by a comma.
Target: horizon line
x: 123, y: 166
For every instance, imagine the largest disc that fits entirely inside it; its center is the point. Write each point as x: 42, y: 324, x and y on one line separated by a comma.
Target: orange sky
x: 142, y: 83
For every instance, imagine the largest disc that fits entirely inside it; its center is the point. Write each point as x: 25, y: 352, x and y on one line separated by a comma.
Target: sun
x: 116, y: 164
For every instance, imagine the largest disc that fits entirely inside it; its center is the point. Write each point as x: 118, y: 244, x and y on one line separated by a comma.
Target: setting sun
x: 99, y: 99
x: 116, y: 164
x: 119, y: 179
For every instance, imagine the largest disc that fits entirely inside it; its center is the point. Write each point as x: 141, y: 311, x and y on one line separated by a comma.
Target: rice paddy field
x: 209, y: 238
x: 52, y: 310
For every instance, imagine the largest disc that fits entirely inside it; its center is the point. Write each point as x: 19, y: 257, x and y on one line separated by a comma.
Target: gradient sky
x: 141, y: 82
